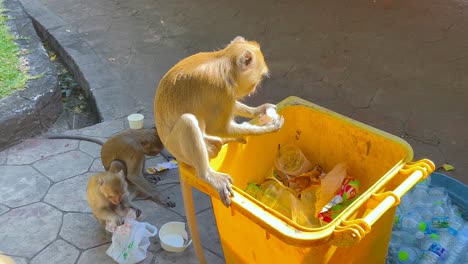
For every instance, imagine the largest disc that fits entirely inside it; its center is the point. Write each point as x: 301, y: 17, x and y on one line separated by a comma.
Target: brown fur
x: 196, y: 102
x: 106, y: 193
x: 130, y: 147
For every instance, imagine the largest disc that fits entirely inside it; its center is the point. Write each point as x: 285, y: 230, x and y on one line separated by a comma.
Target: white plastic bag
x: 130, y: 241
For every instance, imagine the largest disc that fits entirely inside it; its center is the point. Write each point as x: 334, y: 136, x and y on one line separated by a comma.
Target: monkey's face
x: 151, y: 148
x: 112, y: 191
x: 252, y: 68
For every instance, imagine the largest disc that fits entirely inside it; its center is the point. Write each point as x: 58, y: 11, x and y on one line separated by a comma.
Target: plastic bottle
x: 408, y: 255
x: 412, y: 222
x: 436, y: 248
x: 402, y: 238
x: 420, y: 196
x: 420, y: 191
x: 458, y: 252
x: 440, y: 216
x: 456, y: 220
x: 406, y: 203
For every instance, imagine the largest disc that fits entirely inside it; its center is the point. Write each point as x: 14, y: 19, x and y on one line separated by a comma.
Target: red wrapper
x: 347, y: 192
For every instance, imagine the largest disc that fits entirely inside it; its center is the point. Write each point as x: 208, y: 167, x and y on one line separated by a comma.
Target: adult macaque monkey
x: 196, y: 102
x: 130, y: 147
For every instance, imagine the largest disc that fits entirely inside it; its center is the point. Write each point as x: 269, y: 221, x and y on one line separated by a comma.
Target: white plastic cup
x: 135, y: 121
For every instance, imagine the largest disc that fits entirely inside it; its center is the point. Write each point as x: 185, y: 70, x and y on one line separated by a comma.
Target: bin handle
x: 349, y: 233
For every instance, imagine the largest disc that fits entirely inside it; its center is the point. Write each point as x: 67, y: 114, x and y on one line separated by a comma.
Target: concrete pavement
x: 399, y: 66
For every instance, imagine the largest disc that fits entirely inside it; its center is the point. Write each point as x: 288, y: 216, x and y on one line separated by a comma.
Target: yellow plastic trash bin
x: 250, y: 232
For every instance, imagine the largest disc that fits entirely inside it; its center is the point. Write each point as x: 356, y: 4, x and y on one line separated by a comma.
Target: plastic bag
x: 130, y: 241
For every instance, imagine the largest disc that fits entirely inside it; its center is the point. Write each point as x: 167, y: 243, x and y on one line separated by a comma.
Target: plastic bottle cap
x: 422, y: 226
x: 403, y: 255
x: 434, y: 236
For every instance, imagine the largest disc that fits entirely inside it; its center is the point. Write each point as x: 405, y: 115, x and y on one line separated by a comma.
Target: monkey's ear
x: 238, y: 39
x: 245, y: 60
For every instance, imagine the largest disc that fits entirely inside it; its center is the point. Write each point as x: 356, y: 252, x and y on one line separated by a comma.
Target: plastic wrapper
x: 345, y: 196
x: 130, y: 241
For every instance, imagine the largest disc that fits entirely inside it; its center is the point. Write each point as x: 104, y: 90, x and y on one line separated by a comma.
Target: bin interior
x: 326, y: 138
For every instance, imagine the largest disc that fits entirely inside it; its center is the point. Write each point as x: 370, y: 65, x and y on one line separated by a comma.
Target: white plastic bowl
x: 174, y: 237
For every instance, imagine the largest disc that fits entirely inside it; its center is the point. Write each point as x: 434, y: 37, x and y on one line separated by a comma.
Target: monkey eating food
x: 197, y: 100
x: 130, y: 147
x: 107, y: 193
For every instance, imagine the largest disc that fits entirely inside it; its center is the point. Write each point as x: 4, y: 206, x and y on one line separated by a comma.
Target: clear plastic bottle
x: 420, y: 191
x: 436, y: 248
x: 420, y: 197
x: 440, y: 216
x: 456, y: 220
x: 439, y: 194
x: 408, y: 255
x: 406, y: 203
x: 458, y: 252
x: 429, y: 257
x: 401, y: 238
x: 412, y: 222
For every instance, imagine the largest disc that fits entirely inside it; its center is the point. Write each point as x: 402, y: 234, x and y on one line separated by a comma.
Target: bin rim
x: 297, y: 101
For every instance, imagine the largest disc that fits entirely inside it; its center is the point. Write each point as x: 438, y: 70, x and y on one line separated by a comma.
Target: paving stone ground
x: 44, y: 216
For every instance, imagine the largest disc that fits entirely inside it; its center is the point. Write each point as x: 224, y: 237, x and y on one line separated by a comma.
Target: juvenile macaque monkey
x: 107, y: 192
x: 196, y: 102
x: 130, y: 147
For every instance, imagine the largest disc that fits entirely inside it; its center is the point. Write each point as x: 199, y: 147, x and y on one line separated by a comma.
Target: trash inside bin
x: 253, y: 232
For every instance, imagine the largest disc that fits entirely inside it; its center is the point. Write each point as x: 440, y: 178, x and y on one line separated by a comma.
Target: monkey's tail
x: 97, y: 141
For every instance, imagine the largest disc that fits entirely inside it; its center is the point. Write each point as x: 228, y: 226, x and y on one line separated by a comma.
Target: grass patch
x: 13, y: 68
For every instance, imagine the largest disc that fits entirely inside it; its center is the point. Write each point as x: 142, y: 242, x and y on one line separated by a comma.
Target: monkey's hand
x: 275, y: 125
x: 222, y: 183
x: 137, y: 211
x: 262, y: 109
x: 117, y: 219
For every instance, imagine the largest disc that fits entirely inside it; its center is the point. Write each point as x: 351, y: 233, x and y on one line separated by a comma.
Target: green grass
x: 13, y: 69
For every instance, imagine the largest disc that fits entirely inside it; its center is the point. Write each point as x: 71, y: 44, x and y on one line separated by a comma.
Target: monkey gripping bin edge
x: 251, y: 232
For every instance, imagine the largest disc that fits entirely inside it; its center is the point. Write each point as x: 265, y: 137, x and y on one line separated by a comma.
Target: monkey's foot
x: 222, y: 183
x: 137, y: 211
x: 165, y: 202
